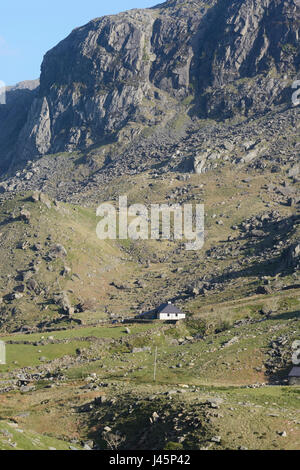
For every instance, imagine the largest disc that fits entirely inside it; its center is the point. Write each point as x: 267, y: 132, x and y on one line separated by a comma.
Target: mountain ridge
x: 116, y: 76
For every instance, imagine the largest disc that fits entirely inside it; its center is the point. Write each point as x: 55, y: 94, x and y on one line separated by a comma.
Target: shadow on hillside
x: 275, y: 232
x: 286, y: 316
x: 145, y: 424
x: 280, y: 377
x: 8, y: 220
x: 264, y: 268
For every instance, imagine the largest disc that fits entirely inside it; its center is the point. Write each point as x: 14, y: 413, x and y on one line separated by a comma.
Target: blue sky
x: 29, y: 28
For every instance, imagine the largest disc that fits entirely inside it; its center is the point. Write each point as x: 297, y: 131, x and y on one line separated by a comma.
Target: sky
x: 29, y: 28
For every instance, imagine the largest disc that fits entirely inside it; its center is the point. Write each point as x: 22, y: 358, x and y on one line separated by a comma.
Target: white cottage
x: 170, y: 312
x: 2, y: 353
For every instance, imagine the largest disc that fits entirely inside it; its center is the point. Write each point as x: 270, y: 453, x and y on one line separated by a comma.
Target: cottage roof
x: 169, y: 308
x: 295, y: 372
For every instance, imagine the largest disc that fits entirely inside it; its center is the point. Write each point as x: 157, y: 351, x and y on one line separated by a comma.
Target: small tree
x: 113, y: 440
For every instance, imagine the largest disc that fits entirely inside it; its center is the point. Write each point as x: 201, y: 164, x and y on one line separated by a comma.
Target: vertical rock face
x: 13, y: 116
x: 38, y: 137
x: 114, y: 76
x: 248, y: 48
x: 96, y: 78
x: 109, y: 72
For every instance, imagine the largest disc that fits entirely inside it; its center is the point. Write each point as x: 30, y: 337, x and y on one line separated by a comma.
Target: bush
x: 223, y: 326
x: 173, y: 446
x: 197, y: 326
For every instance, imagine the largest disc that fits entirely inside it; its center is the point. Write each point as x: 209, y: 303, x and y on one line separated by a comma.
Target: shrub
x: 173, y: 446
x: 223, y: 326
x: 197, y: 325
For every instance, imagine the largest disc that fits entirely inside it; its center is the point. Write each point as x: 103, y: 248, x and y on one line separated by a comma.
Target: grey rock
x: 58, y: 251
x: 137, y: 67
x: 216, y: 439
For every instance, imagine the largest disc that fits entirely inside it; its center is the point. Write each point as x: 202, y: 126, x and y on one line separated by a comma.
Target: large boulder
x: 63, y: 301
x: 57, y: 251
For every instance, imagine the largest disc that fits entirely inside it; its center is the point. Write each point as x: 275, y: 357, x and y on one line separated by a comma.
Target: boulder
x: 58, y: 251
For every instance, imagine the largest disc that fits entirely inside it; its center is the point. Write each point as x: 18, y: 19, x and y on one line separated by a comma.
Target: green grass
x: 23, y: 355
x: 15, y: 438
x: 28, y: 355
x: 113, y: 332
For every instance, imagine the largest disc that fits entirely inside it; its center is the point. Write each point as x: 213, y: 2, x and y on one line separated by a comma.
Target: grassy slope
x: 96, y: 264
x: 13, y: 437
x: 247, y: 417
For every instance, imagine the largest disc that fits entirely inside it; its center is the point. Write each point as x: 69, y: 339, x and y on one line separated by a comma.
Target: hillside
x: 50, y: 249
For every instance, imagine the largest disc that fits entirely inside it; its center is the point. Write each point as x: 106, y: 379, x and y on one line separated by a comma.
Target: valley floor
x: 93, y: 387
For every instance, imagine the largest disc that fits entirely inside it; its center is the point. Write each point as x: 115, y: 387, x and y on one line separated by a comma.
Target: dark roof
x: 168, y: 308
x: 295, y: 372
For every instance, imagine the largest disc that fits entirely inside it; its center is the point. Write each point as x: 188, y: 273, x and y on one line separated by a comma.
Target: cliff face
x: 134, y: 67
x: 114, y: 76
x: 249, y: 51
x: 13, y: 116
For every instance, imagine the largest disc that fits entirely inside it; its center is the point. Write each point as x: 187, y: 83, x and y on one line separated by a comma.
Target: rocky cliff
x: 124, y: 71
x: 117, y: 75
x: 248, y: 56
x: 13, y: 116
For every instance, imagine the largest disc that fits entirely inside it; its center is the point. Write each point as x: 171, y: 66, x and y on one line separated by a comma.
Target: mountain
x: 119, y: 75
x: 187, y: 102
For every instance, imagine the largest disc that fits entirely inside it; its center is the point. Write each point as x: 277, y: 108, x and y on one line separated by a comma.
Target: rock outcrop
x: 118, y: 72
x: 13, y: 117
x: 249, y: 53
x: 117, y: 75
